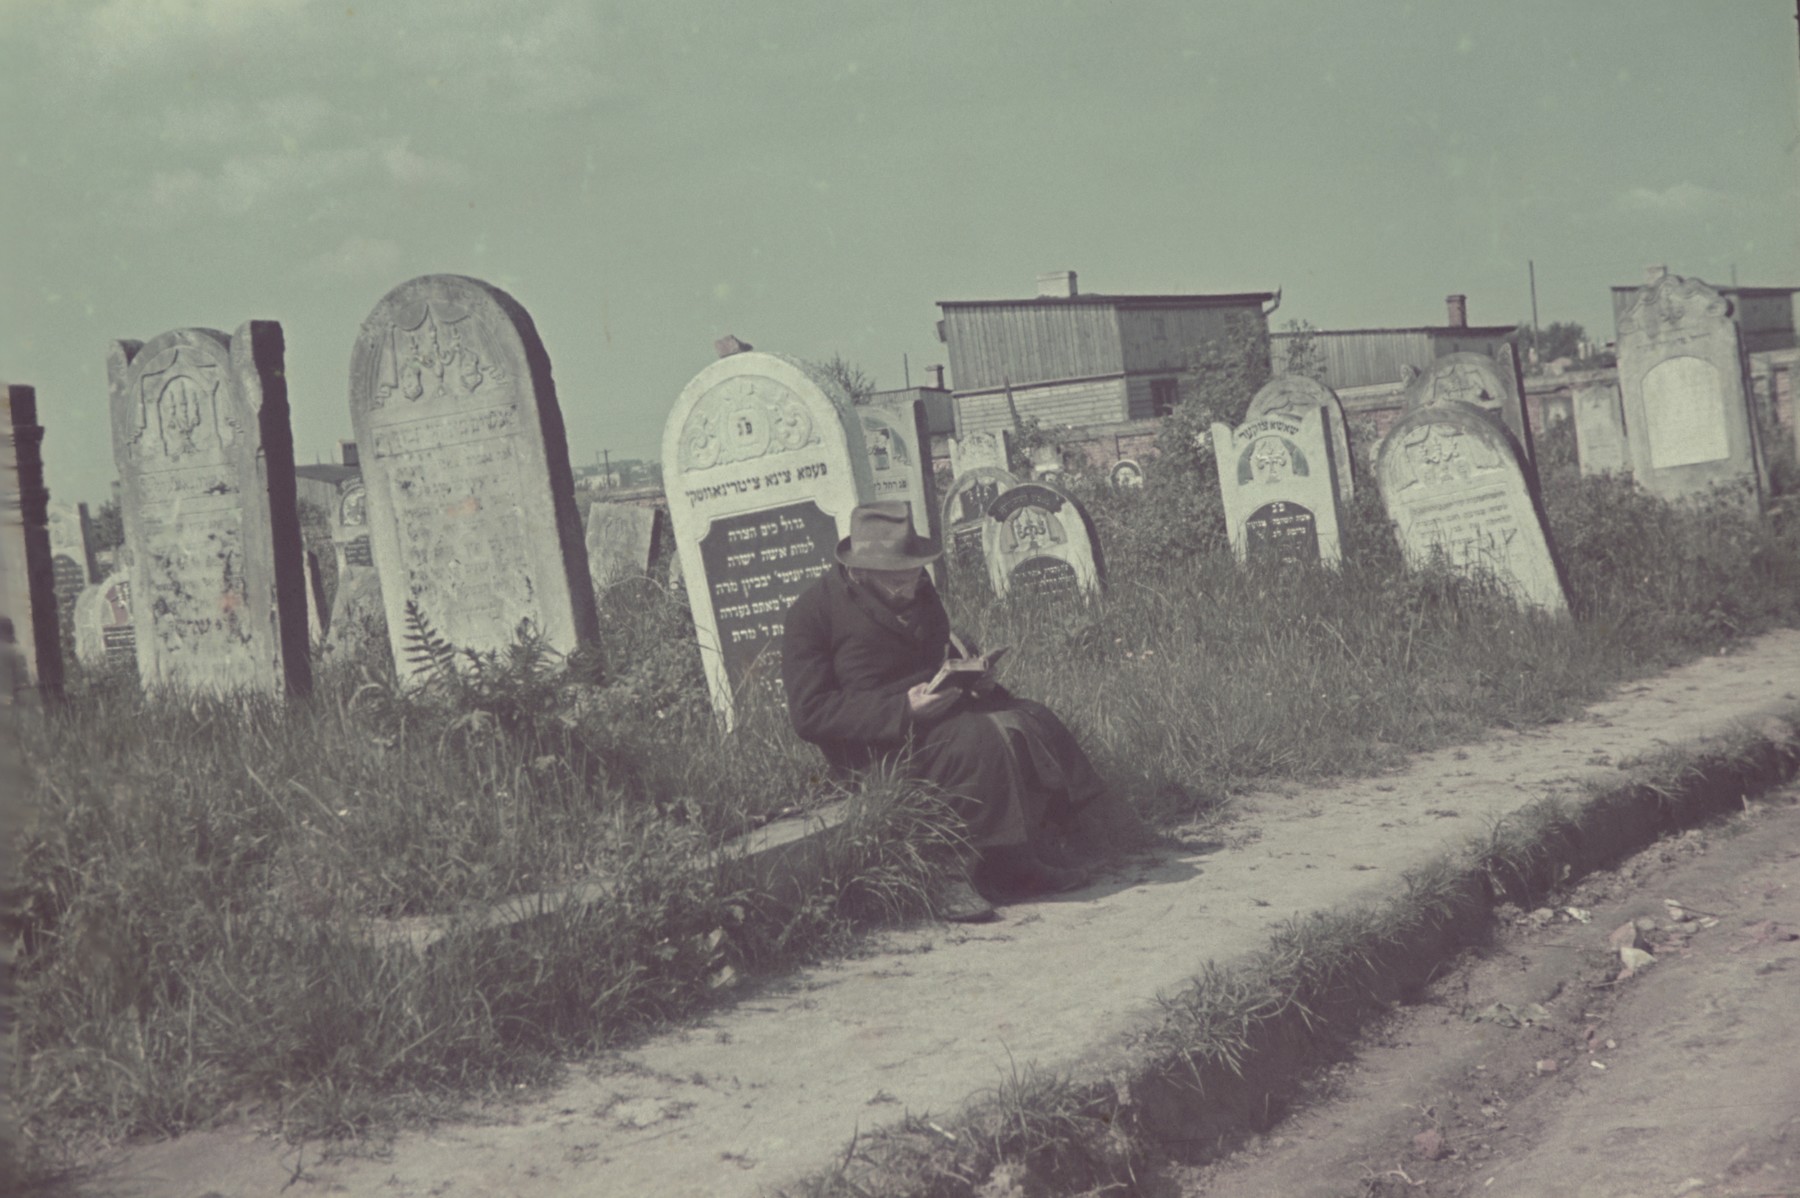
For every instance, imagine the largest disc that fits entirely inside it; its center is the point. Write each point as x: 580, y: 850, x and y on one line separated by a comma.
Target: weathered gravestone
x: 1127, y: 474
x: 358, y: 619
x: 1039, y: 542
x: 979, y: 473
x: 623, y: 540
x: 1600, y: 445
x: 763, y: 463
x: 1276, y: 476
x: 899, y: 446
x: 1685, y: 393
x: 206, y: 472
x: 1291, y: 396
x: 1454, y: 487
x: 27, y: 575
x: 105, y: 635
x: 470, y: 498
x: 71, y: 550
x: 1484, y: 384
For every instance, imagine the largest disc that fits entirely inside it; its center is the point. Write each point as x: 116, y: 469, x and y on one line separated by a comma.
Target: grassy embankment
x: 200, y: 878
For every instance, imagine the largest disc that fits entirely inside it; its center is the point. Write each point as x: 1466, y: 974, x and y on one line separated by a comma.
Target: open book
x: 963, y: 669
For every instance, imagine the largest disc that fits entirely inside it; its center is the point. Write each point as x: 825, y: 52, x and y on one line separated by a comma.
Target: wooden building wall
x: 995, y: 343
x: 1081, y: 403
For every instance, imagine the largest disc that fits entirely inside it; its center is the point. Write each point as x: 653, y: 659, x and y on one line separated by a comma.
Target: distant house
x: 1378, y: 358
x: 321, y: 483
x: 1091, y: 362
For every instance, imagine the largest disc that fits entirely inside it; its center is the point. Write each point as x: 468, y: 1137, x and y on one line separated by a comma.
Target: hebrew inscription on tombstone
x: 104, y: 633
x: 763, y: 462
x: 965, y: 513
x: 71, y: 550
x: 1685, y: 393
x: 470, y: 499
x: 206, y: 471
x: 1276, y: 480
x: 1476, y: 380
x: 623, y: 539
x: 1040, y: 543
x: 1291, y: 396
x: 1599, y: 417
x: 1454, y: 487
x: 358, y: 619
x: 27, y: 575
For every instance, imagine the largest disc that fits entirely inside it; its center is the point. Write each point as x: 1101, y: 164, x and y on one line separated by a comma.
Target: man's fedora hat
x: 882, y: 538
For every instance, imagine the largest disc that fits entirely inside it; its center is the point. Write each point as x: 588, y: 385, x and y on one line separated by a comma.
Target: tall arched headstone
x: 1276, y: 477
x: 1482, y: 383
x: 1039, y: 542
x: 1292, y: 396
x: 763, y: 462
x: 1684, y: 386
x: 206, y: 472
x: 470, y: 498
x: 1454, y: 486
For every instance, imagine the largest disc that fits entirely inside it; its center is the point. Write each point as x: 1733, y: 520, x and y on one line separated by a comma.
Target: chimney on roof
x: 347, y: 454
x: 936, y: 375
x: 1059, y: 284
x: 1459, y: 310
x: 728, y: 345
x: 1654, y: 274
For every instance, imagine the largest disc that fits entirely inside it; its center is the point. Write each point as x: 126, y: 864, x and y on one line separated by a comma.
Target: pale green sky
x: 644, y: 177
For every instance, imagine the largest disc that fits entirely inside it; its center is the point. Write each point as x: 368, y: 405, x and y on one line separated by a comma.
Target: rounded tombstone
x: 1039, y: 541
x: 1292, y: 396
x: 1127, y: 474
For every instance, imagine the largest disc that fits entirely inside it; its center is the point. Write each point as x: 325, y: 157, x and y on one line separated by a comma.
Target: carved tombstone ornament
x: 1040, y: 542
x: 1454, y: 487
x: 1276, y: 477
x: 1684, y: 386
x: 470, y: 498
x: 763, y: 462
x: 1292, y: 396
x: 206, y: 471
x: 1481, y: 382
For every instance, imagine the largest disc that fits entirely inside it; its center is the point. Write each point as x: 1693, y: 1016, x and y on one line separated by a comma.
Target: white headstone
x: 1483, y: 383
x: 621, y: 542
x: 1294, y: 395
x: 1599, y: 418
x: 900, y: 463
x: 763, y: 462
x: 1276, y: 477
x: 1454, y: 487
x: 104, y: 631
x: 1039, y: 542
x: 471, y: 501
x: 358, y: 618
x: 206, y: 472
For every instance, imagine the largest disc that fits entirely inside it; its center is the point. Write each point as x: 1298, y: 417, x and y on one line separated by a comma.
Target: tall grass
x: 200, y: 878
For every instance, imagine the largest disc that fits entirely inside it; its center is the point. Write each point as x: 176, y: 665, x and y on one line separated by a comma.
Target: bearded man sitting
x: 859, y: 650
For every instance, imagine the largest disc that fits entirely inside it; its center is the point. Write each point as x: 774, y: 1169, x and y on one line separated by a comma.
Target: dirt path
x: 1532, y: 1071
x: 775, y: 1086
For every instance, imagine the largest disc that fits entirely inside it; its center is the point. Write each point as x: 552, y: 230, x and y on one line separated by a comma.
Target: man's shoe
x: 956, y: 901
x: 1014, y: 872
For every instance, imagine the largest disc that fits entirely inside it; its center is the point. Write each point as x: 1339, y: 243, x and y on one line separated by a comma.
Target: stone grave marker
x: 1599, y: 417
x: 763, y: 462
x: 1476, y: 380
x: 206, y: 469
x: 973, y: 450
x: 71, y: 550
x: 470, y: 498
x: 899, y: 448
x: 1039, y: 542
x: 1512, y: 377
x: 1685, y: 394
x: 105, y: 635
x: 1127, y: 474
x: 27, y: 574
x: 1453, y: 485
x: 1276, y: 477
x: 623, y: 540
x: 965, y: 513
x: 1291, y: 396
x: 358, y: 618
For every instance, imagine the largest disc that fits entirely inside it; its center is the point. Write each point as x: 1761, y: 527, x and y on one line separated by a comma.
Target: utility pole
x: 606, y: 470
x: 906, y: 372
x: 1532, y: 268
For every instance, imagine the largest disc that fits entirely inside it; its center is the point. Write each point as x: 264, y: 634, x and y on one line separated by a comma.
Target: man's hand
x: 925, y: 705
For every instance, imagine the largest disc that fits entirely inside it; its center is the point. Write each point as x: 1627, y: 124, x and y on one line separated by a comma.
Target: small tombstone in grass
x: 622, y: 542
x: 27, y: 573
x: 899, y: 444
x: 965, y: 514
x: 1480, y: 382
x: 358, y: 621
x: 471, y: 501
x: 1600, y: 446
x: 105, y: 636
x: 1276, y: 477
x: 1685, y: 394
x: 1127, y: 474
x: 1292, y: 396
x: 1039, y: 541
x: 1453, y: 484
x: 206, y: 479
x: 763, y: 462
